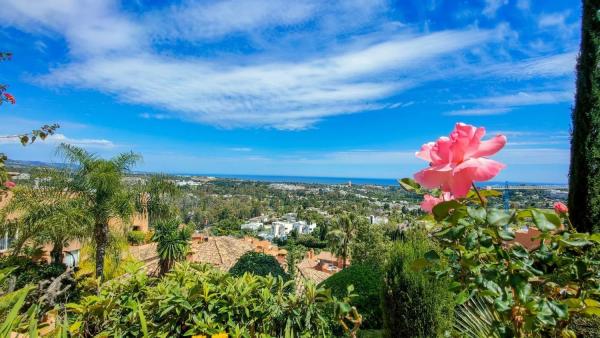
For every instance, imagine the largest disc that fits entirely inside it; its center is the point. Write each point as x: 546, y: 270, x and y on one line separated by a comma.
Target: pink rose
x: 9, y: 184
x: 430, y: 201
x: 560, y: 208
x: 457, y: 161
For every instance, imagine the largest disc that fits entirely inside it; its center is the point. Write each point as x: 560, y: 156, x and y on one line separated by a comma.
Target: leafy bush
x: 136, y: 237
x: 586, y: 327
x: 415, y: 304
x: 194, y: 299
x: 311, y: 241
x: 28, y: 271
x: 258, y: 264
x: 368, y: 283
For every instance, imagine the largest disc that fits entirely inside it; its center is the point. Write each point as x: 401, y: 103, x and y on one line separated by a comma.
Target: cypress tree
x: 584, y: 172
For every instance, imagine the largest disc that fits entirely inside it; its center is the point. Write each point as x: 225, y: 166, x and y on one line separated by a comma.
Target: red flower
x: 9, y: 184
x: 10, y: 98
x: 560, y: 208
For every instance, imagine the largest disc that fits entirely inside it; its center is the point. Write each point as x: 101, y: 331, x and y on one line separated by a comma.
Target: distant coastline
x: 346, y: 180
x: 288, y: 179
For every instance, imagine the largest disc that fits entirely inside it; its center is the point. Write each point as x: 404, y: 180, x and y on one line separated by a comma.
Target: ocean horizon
x: 346, y: 180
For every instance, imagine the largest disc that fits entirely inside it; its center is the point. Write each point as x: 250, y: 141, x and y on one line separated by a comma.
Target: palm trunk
x: 344, y: 254
x: 101, y: 234
x: 165, y: 266
x: 57, y: 253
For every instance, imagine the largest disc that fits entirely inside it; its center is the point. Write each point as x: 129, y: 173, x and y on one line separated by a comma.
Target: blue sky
x: 346, y: 88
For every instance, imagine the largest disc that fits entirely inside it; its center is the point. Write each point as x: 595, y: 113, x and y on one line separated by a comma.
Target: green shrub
x: 368, y: 283
x: 586, y: 327
x: 415, y: 304
x: 311, y: 241
x: 195, y: 299
x: 136, y: 237
x: 259, y: 264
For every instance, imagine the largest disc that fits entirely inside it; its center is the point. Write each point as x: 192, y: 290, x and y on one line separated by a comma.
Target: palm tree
x: 99, y: 182
x: 157, y: 196
x: 173, y: 243
x: 342, y: 234
x: 47, y: 214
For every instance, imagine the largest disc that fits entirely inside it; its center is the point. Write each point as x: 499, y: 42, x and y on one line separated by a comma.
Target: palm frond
x: 476, y: 318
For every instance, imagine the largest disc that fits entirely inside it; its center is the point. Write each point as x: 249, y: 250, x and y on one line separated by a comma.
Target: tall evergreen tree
x: 584, y: 173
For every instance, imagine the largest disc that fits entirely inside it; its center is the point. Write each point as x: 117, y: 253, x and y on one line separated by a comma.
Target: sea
x: 353, y: 180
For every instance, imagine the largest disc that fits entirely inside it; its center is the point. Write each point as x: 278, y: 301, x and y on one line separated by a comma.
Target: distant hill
x: 17, y: 164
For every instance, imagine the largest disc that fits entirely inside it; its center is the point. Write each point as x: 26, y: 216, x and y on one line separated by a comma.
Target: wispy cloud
x: 555, y: 65
x: 155, y: 116
x: 525, y: 98
x: 207, y: 20
x: 112, y: 50
x: 61, y: 138
x: 281, y: 95
x: 241, y: 149
x: 478, y: 112
x: 492, y: 6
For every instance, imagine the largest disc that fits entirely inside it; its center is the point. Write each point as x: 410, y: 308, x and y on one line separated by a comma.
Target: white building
x: 378, y: 219
x: 252, y: 226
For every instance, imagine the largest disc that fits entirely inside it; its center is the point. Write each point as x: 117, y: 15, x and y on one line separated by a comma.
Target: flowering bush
x: 534, y: 285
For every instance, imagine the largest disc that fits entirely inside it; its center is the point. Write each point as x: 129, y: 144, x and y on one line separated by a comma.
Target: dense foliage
x: 367, y: 283
x: 136, y: 237
x: 199, y: 300
x: 415, y: 304
x: 584, y: 181
x: 259, y: 264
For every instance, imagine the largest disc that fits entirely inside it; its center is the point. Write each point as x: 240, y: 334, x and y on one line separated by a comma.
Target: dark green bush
x: 311, y: 241
x: 414, y: 303
x: 136, y: 237
x: 586, y: 327
x: 368, y: 283
x: 258, y: 264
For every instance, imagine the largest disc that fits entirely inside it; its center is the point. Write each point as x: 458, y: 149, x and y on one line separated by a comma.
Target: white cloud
x: 554, y: 20
x: 492, y: 6
x: 207, y: 20
x: 523, y: 5
x: 548, y: 66
x: 112, y: 52
x: 525, y: 98
x: 534, y: 156
x: 89, y: 26
x: 277, y: 94
x: 154, y: 116
x: 61, y: 138
x: 478, y: 112
x: 241, y: 149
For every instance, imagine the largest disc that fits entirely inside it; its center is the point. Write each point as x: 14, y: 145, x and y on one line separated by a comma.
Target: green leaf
x: 521, y: 285
x: 575, y: 242
x: 507, y: 235
x: 432, y: 256
x: 490, y: 193
x: 410, y: 185
x: 477, y: 213
x: 592, y: 311
x: 497, y: 217
x: 573, y: 303
x: 519, y: 251
x: 419, y: 264
x: 592, y: 302
x: 462, y: 297
x: 441, y: 210
x: 545, y: 221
